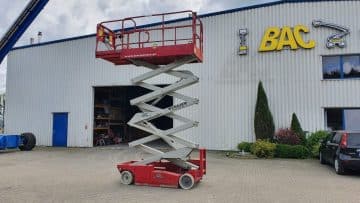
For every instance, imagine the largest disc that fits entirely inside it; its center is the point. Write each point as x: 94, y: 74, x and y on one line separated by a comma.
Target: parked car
x: 341, y: 150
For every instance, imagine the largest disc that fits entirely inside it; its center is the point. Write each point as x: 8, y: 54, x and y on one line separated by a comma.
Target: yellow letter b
x: 269, y: 41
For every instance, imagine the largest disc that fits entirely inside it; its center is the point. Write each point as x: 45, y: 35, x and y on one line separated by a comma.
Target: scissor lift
x: 161, y: 48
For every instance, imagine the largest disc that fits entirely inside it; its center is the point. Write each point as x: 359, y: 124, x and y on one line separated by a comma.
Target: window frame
x: 343, y: 118
x: 341, y: 65
x: 329, y: 138
x: 336, y: 139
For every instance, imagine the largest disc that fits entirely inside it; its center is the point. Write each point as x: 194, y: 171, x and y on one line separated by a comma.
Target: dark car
x: 342, y: 150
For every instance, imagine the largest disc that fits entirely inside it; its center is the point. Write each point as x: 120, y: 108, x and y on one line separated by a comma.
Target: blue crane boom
x: 16, y: 30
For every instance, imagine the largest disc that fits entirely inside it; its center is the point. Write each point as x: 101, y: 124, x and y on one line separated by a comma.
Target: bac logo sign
x: 276, y: 39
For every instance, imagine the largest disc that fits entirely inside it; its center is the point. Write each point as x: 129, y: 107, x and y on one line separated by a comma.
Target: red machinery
x: 163, y: 173
x: 160, y: 48
x: 136, y: 42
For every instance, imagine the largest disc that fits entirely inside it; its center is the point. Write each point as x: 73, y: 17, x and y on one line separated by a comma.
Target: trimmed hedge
x: 291, y: 151
x: 315, y: 137
x: 246, y: 146
x: 313, y: 142
x: 263, y: 149
x: 315, y: 150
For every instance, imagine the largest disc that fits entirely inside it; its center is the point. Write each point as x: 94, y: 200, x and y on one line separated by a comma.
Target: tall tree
x: 296, y: 128
x: 263, y: 122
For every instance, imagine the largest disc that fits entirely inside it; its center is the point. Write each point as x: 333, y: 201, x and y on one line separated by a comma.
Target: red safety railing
x: 125, y: 36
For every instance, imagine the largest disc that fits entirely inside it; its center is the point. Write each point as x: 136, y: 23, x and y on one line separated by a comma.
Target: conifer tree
x: 296, y: 128
x: 263, y: 122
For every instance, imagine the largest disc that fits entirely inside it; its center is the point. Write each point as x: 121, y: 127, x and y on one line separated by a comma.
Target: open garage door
x: 112, y: 111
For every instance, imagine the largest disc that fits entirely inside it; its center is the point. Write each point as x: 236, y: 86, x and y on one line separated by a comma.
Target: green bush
x: 316, y: 137
x: 246, y: 146
x: 296, y: 128
x: 263, y: 122
x: 315, y: 150
x: 291, y: 151
x: 263, y: 149
x: 313, y: 142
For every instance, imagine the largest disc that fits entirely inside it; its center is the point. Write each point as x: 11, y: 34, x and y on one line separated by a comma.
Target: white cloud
x: 348, y: 67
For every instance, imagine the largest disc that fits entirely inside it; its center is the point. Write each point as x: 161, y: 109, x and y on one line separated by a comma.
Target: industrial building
x: 2, y: 110
x: 306, y: 53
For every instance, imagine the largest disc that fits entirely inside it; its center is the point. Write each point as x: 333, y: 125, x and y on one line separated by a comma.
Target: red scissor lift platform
x: 123, y: 42
x: 136, y: 42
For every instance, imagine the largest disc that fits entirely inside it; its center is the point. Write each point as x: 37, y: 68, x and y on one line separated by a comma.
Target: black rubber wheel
x: 322, y: 161
x: 339, y: 168
x: 127, y: 178
x: 186, y: 181
x: 28, y: 142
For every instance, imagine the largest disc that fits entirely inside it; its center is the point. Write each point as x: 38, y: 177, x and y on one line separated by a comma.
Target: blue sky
x: 62, y: 19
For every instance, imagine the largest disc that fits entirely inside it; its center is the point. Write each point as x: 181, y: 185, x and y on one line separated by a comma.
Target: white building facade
x: 2, y: 111
x: 283, y: 49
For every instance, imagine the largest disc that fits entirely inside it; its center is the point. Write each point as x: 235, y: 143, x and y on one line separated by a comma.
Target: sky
x: 68, y: 18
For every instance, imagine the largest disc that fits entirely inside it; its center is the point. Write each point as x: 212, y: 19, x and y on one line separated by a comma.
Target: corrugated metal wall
x: 59, y: 78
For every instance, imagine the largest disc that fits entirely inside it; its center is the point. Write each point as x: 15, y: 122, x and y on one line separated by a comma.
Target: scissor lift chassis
x: 173, y: 168
x: 163, y: 173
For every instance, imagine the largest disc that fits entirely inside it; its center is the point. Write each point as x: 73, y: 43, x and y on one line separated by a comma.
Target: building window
x: 342, y: 119
x: 352, y: 119
x: 334, y: 119
x: 341, y: 67
x: 351, y: 66
x: 331, y: 67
